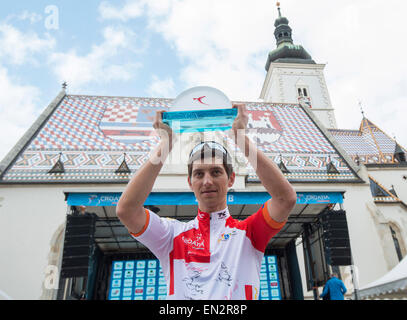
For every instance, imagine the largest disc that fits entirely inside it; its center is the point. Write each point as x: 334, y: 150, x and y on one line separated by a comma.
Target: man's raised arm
x: 130, y: 208
x: 283, y: 194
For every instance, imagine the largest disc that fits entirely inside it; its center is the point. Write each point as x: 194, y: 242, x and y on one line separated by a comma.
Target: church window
x: 302, y: 92
x: 396, y: 243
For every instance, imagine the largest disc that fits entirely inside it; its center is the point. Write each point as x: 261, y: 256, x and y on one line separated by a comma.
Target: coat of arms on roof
x: 267, y: 128
x: 129, y: 122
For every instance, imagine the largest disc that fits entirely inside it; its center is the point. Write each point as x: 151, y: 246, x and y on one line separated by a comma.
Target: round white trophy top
x: 200, y: 98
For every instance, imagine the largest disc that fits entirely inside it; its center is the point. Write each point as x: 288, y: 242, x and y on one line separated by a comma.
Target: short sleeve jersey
x: 213, y: 256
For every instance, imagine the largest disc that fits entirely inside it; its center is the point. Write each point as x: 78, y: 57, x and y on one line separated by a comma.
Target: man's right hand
x: 163, y: 130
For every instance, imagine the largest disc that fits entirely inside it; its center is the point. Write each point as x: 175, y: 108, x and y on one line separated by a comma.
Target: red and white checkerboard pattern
x: 121, y: 112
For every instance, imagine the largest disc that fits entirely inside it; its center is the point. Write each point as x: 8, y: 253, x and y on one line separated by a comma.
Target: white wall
x: 29, y: 217
x: 366, y: 243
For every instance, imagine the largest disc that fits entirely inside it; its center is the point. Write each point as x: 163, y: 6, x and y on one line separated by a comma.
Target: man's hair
x: 210, y: 150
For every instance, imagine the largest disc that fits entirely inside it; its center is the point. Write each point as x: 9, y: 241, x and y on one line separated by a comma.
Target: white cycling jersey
x: 213, y: 256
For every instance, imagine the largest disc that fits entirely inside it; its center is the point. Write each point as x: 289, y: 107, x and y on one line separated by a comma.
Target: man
x: 334, y: 289
x: 213, y: 256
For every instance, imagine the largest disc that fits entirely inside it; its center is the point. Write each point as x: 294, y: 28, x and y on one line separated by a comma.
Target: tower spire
x: 283, y: 31
x: 286, y: 50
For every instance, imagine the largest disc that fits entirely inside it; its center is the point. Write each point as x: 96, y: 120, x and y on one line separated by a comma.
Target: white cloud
x: 225, y: 44
x: 219, y: 42
x: 161, y: 88
x: 17, y: 100
x: 99, y: 65
x: 17, y: 47
x: 32, y: 17
x: 131, y: 9
x: 17, y: 108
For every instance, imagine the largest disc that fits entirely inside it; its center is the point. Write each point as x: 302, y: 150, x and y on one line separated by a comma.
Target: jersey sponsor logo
x: 226, y: 236
x: 222, y: 215
x: 201, y: 216
x: 197, y: 243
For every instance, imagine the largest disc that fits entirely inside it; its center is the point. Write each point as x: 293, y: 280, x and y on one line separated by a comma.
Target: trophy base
x: 200, y: 120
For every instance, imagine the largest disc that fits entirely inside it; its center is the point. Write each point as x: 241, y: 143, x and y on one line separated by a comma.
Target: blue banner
x: 188, y: 198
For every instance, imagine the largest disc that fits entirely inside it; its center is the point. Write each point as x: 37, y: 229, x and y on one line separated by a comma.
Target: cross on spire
x: 278, y: 8
x: 361, y: 109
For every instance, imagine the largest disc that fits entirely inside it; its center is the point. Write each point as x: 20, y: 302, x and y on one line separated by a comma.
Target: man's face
x: 210, y: 182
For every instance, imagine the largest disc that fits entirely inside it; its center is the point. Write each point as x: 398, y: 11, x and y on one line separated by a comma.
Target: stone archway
x: 52, y: 270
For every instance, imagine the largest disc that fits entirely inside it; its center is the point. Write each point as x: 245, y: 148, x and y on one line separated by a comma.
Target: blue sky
x: 80, y: 27
x: 161, y: 47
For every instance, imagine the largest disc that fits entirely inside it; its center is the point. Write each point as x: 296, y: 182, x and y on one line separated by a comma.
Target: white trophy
x: 200, y: 109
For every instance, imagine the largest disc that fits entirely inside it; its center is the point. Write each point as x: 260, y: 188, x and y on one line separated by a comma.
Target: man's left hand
x: 241, y: 120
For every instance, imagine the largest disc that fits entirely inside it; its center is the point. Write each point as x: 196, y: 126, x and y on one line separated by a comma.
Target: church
x: 59, y: 187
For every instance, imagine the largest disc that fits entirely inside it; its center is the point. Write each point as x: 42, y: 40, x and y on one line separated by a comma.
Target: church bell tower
x: 294, y: 77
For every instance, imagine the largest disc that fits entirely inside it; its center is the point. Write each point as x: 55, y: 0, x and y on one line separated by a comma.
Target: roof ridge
x: 22, y: 143
x: 125, y: 97
x: 235, y: 101
x: 338, y: 129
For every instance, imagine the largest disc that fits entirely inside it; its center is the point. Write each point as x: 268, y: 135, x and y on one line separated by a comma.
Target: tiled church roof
x: 368, y: 145
x: 90, y: 134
